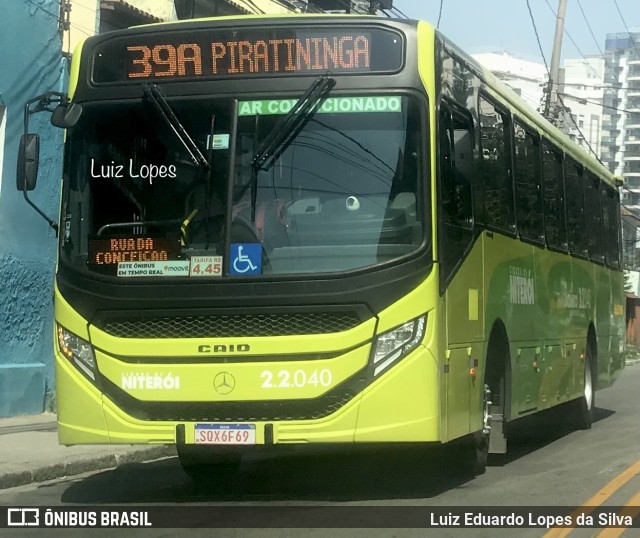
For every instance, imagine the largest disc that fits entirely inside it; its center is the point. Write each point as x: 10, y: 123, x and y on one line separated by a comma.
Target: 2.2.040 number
x: 284, y: 379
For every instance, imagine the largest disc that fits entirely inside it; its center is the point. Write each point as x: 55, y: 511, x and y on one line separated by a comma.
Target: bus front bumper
x: 400, y: 406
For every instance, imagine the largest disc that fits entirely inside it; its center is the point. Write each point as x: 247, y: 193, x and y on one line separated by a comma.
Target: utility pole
x: 551, y: 109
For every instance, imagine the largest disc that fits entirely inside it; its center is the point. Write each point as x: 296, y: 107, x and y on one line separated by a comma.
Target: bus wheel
x: 472, y: 452
x: 582, y: 410
x: 207, y: 467
x: 480, y: 440
x: 496, y: 381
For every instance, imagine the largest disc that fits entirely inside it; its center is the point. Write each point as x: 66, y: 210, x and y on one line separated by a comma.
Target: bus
x: 320, y: 230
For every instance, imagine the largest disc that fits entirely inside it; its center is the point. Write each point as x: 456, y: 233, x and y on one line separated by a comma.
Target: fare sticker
x: 206, y: 266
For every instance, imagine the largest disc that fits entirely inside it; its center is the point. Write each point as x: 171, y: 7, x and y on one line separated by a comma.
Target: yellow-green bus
x: 321, y: 230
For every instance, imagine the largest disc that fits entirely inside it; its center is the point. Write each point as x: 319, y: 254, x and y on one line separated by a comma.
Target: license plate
x: 225, y: 434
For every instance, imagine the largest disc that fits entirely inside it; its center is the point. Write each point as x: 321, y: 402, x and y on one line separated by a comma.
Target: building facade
x: 582, y: 92
x: 524, y: 77
x: 622, y: 122
x: 89, y: 17
x: 32, y: 63
x: 85, y: 18
x: 621, y: 134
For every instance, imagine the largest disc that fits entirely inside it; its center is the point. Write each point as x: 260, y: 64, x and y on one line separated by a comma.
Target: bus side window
x: 528, y: 184
x: 594, y: 217
x: 554, y: 209
x: 456, y: 175
x: 610, y: 219
x: 456, y: 167
x: 575, y: 207
x: 495, y: 167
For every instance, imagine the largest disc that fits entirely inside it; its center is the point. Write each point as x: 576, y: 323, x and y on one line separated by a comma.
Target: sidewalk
x: 29, y: 452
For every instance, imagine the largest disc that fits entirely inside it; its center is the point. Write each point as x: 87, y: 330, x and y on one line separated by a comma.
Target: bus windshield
x: 343, y: 194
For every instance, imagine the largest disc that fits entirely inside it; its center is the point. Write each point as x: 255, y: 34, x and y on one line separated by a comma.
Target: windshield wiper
x: 157, y: 98
x: 288, y: 128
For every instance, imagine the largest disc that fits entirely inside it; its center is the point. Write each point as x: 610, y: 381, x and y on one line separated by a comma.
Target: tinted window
x: 528, y: 186
x: 610, y: 223
x: 594, y: 217
x: 495, y: 174
x: 456, y: 173
x: 575, y: 208
x: 554, y: 216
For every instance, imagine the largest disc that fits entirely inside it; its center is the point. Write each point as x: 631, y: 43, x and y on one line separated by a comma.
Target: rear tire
x: 582, y: 410
x: 496, y: 383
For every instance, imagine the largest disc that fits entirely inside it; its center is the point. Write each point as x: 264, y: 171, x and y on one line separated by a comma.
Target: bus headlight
x: 397, y: 343
x: 78, y: 351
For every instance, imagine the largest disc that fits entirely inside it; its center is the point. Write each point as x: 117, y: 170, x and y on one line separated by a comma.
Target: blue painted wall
x: 31, y: 64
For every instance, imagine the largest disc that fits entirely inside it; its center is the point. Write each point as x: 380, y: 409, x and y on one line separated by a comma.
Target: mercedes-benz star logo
x: 224, y: 383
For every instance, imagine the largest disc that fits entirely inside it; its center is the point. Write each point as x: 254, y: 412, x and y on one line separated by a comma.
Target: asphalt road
x: 548, y: 465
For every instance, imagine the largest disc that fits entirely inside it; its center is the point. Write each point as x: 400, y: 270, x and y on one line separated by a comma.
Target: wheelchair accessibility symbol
x: 246, y: 259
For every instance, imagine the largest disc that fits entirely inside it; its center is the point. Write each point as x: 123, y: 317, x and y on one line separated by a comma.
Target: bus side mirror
x: 28, y: 160
x: 66, y: 116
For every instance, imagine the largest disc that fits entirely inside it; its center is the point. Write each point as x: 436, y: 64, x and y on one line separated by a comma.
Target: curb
x: 88, y: 464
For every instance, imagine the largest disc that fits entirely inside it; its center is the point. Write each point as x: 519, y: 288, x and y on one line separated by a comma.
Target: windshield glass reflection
x: 343, y: 194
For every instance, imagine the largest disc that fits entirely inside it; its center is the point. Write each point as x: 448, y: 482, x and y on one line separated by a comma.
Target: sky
x: 504, y: 25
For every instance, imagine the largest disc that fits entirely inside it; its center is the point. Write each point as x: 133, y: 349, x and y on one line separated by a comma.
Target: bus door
x: 461, y: 272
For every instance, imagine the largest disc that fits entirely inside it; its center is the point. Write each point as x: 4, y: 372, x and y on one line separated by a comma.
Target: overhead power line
x: 57, y: 18
x: 611, y: 68
x: 535, y: 29
x: 546, y: 66
x: 258, y: 11
x: 597, y: 86
x: 575, y: 123
x: 576, y: 98
x: 575, y: 44
x: 633, y: 41
x: 586, y: 20
x: 397, y: 10
x: 585, y: 58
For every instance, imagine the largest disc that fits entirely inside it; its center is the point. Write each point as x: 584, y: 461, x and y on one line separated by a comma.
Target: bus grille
x: 229, y: 325
x: 249, y: 411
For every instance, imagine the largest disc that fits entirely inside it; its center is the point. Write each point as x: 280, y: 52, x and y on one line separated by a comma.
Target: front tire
x: 481, y: 439
x: 474, y: 451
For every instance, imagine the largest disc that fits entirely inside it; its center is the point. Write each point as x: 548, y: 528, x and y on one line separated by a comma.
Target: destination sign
x: 206, y: 54
x: 110, y: 252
